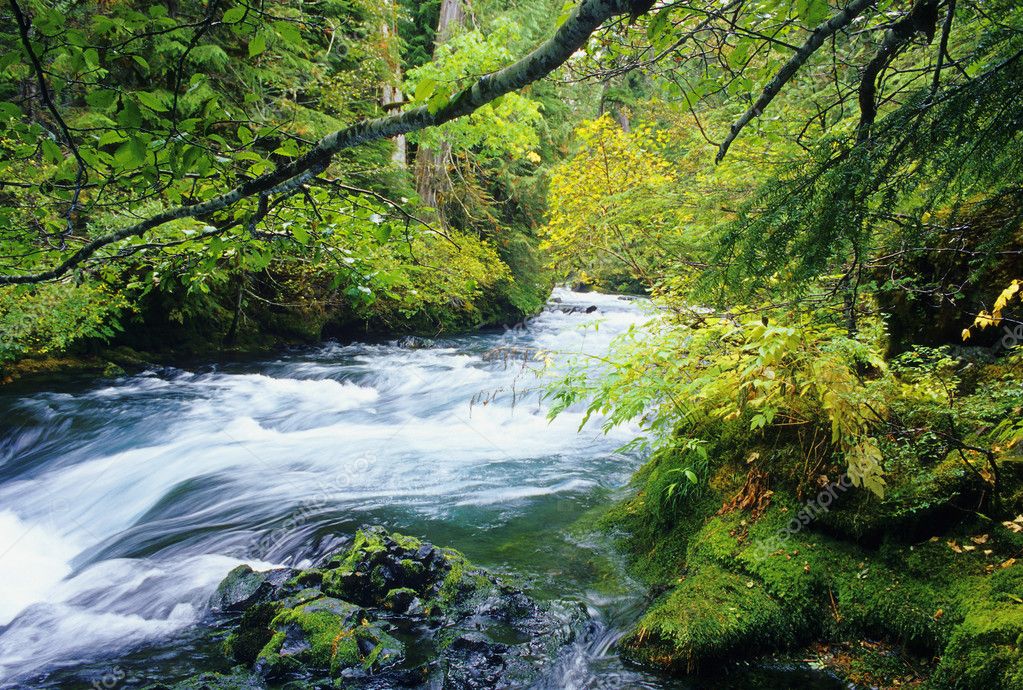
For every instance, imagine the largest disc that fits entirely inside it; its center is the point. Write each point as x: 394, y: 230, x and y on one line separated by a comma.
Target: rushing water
x: 123, y: 503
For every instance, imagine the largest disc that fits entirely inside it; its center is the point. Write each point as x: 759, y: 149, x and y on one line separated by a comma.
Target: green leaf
x: 287, y: 148
x: 153, y: 101
x: 812, y: 12
x: 437, y: 101
x: 9, y: 59
x: 383, y: 232
x: 300, y: 234
x: 425, y: 88
x: 52, y: 152
x: 132, y: 153
x: 289, y: 33
x: 234, y: 15
x: 257, y: 45
x: 9, y: 110
x: 130, y: 116
x: 111, y: 137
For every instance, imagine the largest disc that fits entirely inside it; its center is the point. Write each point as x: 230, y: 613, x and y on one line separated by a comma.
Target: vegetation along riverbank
x: 817, y: 205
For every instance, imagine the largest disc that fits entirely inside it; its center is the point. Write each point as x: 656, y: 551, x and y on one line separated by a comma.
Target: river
x: 124, y: 502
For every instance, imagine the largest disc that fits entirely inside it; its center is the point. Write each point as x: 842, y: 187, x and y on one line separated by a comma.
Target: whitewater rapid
x: 123, y: 503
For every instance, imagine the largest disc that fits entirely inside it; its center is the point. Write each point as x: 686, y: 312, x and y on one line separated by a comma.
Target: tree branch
x: 923, y: 18
x: 946, y: 29
x: 44, y: 92
x: 567, y: 39
x: 789, y: 69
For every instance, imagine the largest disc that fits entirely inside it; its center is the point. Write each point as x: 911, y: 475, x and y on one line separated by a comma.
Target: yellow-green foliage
x: 690, y: 382
x: 50, y: 318
x: 507, y: 127
x: 611, y: 204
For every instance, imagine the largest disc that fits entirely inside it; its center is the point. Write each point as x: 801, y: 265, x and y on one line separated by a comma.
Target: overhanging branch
x: 567, y: 39
x: 789, y: 69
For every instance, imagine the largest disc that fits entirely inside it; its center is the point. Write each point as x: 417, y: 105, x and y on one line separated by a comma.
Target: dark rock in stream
x: 244, y: 587
x: 572, y: 309
x: 384, y: 611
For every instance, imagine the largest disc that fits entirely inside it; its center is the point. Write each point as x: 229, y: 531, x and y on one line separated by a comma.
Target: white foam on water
x: 33, y: 559
x: 113, y: 604
x: 188, y: 468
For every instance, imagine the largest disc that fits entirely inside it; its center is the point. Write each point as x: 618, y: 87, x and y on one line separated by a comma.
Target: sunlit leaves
x: 509, y: 126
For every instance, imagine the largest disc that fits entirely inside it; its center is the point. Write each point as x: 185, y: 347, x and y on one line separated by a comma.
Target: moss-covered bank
x: 932, y: 573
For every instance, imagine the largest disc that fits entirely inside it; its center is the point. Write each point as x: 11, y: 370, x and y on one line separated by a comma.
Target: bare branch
x: 789, y: 69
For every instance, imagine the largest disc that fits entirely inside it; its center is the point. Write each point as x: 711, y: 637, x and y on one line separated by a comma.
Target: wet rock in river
x: 386, y: 610
x: 244, y: 587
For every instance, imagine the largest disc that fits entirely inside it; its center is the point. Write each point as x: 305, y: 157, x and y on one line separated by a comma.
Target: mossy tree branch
x: 566, y: 40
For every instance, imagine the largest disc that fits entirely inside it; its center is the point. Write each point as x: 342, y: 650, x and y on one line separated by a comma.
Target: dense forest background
x: 823, y: 200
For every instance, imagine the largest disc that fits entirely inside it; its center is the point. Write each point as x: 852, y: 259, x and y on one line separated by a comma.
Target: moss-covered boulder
x: 328, y: 635
x: 745, y: 587
x: 389, y: 610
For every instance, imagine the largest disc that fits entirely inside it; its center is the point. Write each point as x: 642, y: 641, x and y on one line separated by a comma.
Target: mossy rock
x: 986, y: 649
x: 238, y: 679
x: 378, y: 563
x: 333, y: 623
x: 744, y: 591
x: 328, y: 635
x: 914, y: 507
x: 711, y: 614
x: 253, y: 632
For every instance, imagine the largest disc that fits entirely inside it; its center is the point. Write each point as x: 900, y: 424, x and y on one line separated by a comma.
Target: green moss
x: 706, y: 618
x: 657, y: 552
x: 253, y: 632
x: 454, y: 584
x: 399, y: 598
x: 740, y: 590
x: 984, y: 651
x: 918, y: 502
x: 326, y: 634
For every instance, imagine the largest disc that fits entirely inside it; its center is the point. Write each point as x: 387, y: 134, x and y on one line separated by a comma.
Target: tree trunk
x: 392, y: 97
x: 432, y: 179
x: 611, y: 106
